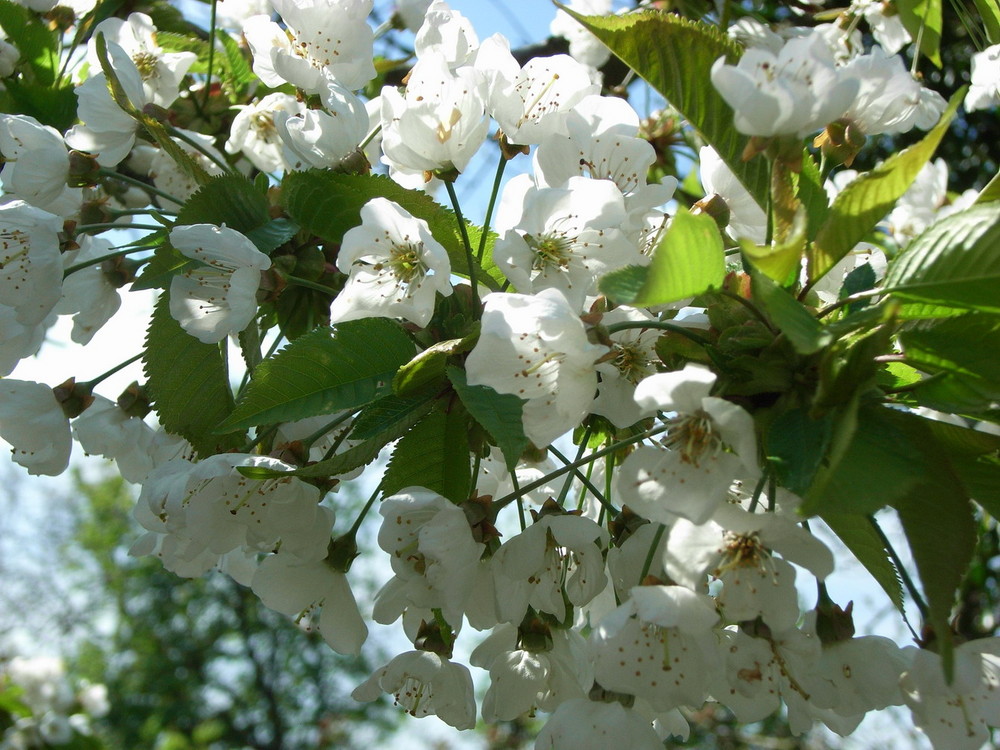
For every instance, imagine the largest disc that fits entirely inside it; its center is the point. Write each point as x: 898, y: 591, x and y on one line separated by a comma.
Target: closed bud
x: 74, y: 398
x: 83, y: 170
x: 135, y: 401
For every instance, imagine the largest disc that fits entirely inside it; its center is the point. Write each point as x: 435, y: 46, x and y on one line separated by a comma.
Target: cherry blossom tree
x: 613, y: 409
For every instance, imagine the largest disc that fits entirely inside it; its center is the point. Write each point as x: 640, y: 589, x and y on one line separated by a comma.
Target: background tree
x: 202, y: 663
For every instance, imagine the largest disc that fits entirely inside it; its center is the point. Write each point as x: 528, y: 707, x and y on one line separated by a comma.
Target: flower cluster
x: 42, y: 708
x: 288, y: 175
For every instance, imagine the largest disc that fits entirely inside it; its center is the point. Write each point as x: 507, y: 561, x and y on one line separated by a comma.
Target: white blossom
x: 395, y: 267
x: 218, y: 298
x: 984, y: 85
x: 161, y: 72
x: 535, y: 347
x: 709, y: 444
x: 530, y: 103
x: 445, y: 33
x: 312, y: 591
x: 425, y: 684
x: 36, y: 163
x: 321, y: 39
x: 33, y: 423
x: 955, y: 715
x: 30, y: 263
x: 583, y: 724
x: 795, y: 92
x: 439, y: 123
x: 254, y: 134
x: 562, y: 238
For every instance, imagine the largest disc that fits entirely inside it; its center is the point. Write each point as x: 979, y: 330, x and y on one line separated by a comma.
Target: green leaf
x: 675, y: 56
x: 330, y: 369
x: 796, y: 445
x: 981, y: 479
x: 941, y: 532
x: 426, y: 370
x: 328, y: 204
x: 273, y: 234
x: 865, y: 201
x: 922, y: 19
x: 188, y: 384
x: 955, y: 263
x: 382, y: 415
x: 238, y: 74
x: 959, y: 394
x: 499, y: 414
x: 812, y: 194
x: 861, y: 538
x: 781, y: 259
x: 805, y: 332
x: 435, y: 455
x: 227, y: 199
x: 164, y: 265
x: 967, y: 345
x: 990, y: 12
x: 991, y: 192
x: 38, y: 45
x: 50, y: 106
x: 878, y: 466
x: 689, y: 260
x: 359, y: 455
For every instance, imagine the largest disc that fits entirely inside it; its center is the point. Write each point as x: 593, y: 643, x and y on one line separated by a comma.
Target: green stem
x: 463, y: 229
x: 364, y: 511
x: 100, y: 259
x: 511, y: 497
x: 569, y: 477
x: 89, y: 385
x: 261, y: 437
x: 103, y: 227
x: 867, y: 294
x: 305, y: 283
x: 274, y: 345
x: 142, y: 211
x: 758, y: 490
x: 199, y: 147
x: 903, y: 575
x: 336, y: 444
x: 105, y: 172
x: 584, y: 480
x: 501, y: 166
x: 211, y: 54
x: 331, y: 425
x: 660, y: 325
x: 652, y: 551
x: 520, y: 506
x: 370, y: 137
x: 769, y: 238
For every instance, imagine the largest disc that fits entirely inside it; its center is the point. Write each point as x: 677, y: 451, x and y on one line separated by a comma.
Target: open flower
x: 425, y: 684
x: 710, y: 443
x: 219, y: 298
x: 30, y: 264
x: 562, y: 237
x: 310, y: 592
x: 535, y: 347
x: 33, y: 422
x: 394, y: 265
x: 321, y: 38
x: 796, y: 92
x: 439, y: 123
